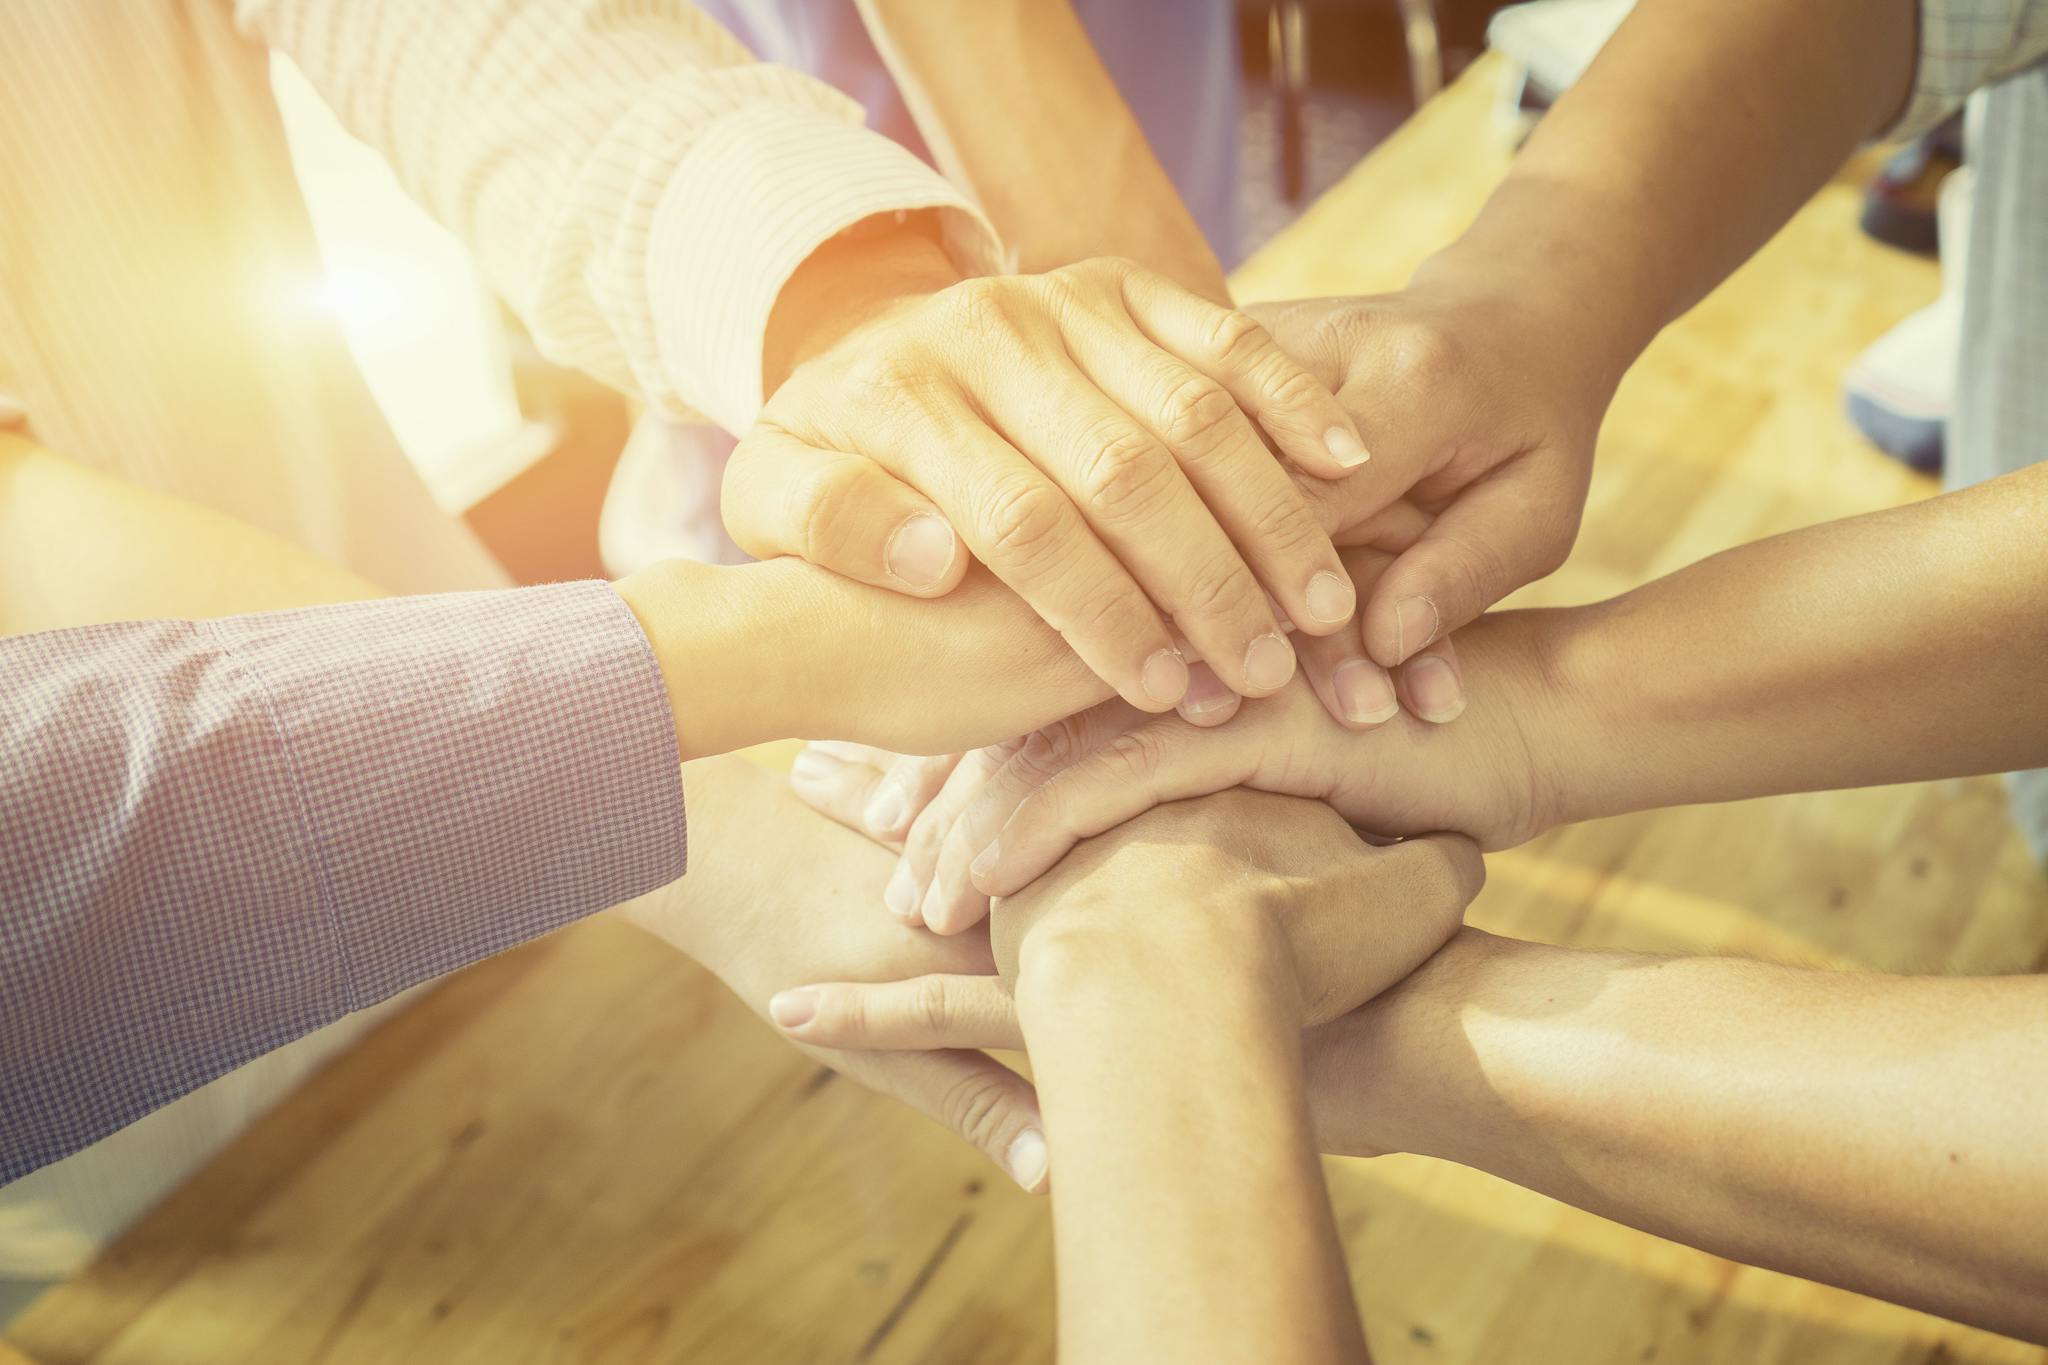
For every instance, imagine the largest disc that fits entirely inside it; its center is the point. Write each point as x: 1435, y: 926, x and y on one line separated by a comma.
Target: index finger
x: 1298, y: 411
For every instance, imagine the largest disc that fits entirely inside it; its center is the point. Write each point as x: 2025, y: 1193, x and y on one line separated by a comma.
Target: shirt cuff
x: 757, y: 193
x: 486, y: 768
x: 1963, y: 46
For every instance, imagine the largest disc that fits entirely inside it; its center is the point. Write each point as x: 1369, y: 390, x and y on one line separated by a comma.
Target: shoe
x: 1900, y: 391
x: 1900, y: 207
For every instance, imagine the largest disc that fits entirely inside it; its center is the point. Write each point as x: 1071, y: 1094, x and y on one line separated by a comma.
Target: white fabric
x: 632, y: 181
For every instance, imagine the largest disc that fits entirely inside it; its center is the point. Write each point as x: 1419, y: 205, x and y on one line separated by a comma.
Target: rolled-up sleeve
x: 634, y: 183
x: 1964, y: 45
x: 216, y: 836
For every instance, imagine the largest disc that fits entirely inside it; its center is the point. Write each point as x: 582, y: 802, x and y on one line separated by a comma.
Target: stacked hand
x: 1093, y: 435
x: 1272, y: 877
x: 1479, y: 410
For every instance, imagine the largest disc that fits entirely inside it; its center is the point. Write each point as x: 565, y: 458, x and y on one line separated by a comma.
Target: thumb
x: 1501, y: 532
x: 841, y: 512
x: 977, y: 1097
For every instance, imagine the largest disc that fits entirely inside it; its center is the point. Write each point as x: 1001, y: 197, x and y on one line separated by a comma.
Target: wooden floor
x: 587, y: 1152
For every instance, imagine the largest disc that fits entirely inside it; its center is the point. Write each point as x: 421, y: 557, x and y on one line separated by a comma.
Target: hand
x: 756, y: 652
x: 1494, y: 777
x: 1490, y: 777
x: 1475, y: 406
x: 1089, y: 434
x: 759, y: 947
x: 941, y: 812
x: 911, y: 802
x: 1273, y: 876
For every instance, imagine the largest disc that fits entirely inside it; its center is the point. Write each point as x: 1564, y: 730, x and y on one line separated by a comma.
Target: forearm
x: 1875, y: 1132
x: 1192, y: 1222
x: 146, y: 555
x: 358, y: 796
x: 1905, y: 645
x: 1694, y: 135
x: 1016, y: 106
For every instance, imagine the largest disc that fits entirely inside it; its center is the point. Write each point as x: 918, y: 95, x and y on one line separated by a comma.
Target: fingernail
x: 1438, y: 694
x: 986, y: 860
x: 1165, y: 677
x: 1345, y: 447
x: 887, y: 811
x: 921, y: 550
x: 793, y: 1009
x: 1415, y: 623
x: 1026, y: 1158
x: 1331, y: 598
x: 1269, y: 663
x: 1206, y: 694
x: 1365, y: 694
x: 810, y: 769
x: 901, y: 893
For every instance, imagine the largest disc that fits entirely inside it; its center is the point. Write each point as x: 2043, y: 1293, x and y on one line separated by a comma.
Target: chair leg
x: 1425, y: 48
x: 1287, y: 58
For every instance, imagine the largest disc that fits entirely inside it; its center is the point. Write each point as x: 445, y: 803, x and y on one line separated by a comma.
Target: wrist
x: 1609, y: 729
x: 1083, y: 966
x: 1529, y: 725
x: 738, y: 646
x: 856, y: 277
x: 1402, y: 1073
x: 1557, y: 283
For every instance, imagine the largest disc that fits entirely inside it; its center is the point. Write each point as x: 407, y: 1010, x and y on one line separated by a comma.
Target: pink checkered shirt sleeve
x: 216, y: 836
x: 1965, y: 44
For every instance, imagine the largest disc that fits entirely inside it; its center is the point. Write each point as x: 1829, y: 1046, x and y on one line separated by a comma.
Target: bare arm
x: 1880, y: 1133
x: 1693, y: 136
x: 1017, y: 107
x: 1481, y: 386
x: 1192, y: 1223
x: 1895, y: 647
x: 1900, y: 646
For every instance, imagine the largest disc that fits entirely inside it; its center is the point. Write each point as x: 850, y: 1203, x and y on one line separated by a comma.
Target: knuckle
x: 1290, y: 386
x: 973, y: 1107
x: 1424, y: 357
x: 1096, y: 270
x: 1196, y: 414
x: 1222, y: 586
x: 1236, y: 339
x: 1133, y: 756
x: 845, y: 1013
x: 930, y: 1005
x: 1102, y: 614
x: 1444, y: 872
x: 892, y: 380
x: 1284, y: 524
x: 921, y: 844
x: 986, y: 306
x: 1556, y: 548
x: 1049, y: 750
x: 1046, y: 807
x: 1068, y: 291
x: 824, y: 500
x: 1022, y: 520
x: 1125, y: 474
